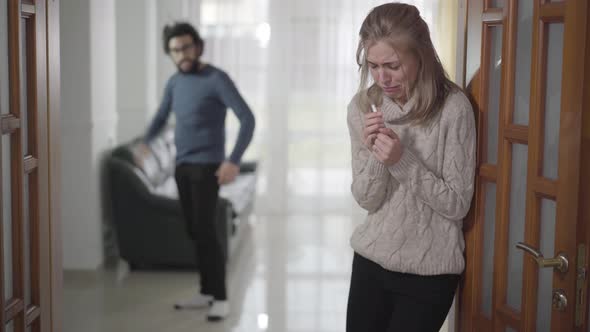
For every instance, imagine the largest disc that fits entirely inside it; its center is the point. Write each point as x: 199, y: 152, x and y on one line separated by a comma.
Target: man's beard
x: 193, y: 68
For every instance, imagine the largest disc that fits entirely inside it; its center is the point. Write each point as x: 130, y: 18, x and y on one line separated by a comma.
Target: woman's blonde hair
x: 401, y: 26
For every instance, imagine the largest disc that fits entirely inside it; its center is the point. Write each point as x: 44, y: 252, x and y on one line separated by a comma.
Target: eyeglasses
x: 182, y: 49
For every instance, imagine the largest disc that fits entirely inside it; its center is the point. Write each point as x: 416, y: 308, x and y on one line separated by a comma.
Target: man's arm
x: 229, y: 95
x: 156, y: 126
x: 161, y: 117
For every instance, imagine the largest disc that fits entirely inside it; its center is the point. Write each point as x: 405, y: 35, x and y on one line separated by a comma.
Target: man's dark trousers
x: 198, y: 191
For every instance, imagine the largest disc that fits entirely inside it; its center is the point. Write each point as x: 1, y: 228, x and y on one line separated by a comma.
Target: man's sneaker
x: 198, y: 301
x: 218, y: 311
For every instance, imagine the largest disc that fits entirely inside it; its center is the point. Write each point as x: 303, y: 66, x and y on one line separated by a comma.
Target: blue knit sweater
x: 200, y: 101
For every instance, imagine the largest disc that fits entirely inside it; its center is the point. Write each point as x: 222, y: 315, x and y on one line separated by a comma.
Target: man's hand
x: 388, y: 148
x: 227, y: 172
x: 373, y: 122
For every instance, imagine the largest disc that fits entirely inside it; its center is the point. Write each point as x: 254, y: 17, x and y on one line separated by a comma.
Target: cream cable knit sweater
x: 416, y: 207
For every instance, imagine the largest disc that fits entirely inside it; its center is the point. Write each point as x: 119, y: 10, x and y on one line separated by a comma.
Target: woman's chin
x: 392, y: 95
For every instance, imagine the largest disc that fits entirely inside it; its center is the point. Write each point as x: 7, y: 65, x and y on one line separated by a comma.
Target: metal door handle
x: 559, y: 263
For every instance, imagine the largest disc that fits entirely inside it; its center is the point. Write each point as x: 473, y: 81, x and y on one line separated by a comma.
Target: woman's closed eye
x: 391, y: 66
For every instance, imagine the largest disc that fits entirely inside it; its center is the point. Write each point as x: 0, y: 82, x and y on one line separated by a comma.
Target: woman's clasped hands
x: 383, y: 142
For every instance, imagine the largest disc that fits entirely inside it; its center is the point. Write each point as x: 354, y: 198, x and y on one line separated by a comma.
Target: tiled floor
x: 289, y: 274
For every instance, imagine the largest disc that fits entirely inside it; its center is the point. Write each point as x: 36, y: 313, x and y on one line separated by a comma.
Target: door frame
x: 578, y: 152
x: 584, y: 209
x: 54, y: 148
x: 42, y: 165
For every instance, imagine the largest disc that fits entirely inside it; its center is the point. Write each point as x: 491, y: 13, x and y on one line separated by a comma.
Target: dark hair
x: 180, y: 29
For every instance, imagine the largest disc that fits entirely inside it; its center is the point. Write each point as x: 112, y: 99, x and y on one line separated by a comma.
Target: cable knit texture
x: 416, y: 207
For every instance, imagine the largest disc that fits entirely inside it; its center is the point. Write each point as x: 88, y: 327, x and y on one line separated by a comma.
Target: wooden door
x: 30, y: 265
x: 530, y: 88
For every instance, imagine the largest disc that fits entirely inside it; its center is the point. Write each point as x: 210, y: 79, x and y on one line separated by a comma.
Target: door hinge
x: 581, y: 272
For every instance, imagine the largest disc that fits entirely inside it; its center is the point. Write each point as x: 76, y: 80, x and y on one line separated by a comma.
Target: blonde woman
x: 413, y: 143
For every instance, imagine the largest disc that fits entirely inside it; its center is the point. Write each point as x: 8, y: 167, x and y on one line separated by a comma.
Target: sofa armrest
x: 130, y: 182
x: 248, y: 166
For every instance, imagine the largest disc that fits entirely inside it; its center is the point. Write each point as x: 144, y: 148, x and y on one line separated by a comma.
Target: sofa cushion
x: 167, y: 189
x: 164, y: 154
x: 151, y: 169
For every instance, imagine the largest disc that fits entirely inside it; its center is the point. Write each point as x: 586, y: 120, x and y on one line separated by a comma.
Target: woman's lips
x: 392, y: 89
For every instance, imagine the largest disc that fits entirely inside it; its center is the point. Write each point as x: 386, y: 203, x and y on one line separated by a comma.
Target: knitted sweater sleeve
x: 449, y: 195
x: 370, y: 177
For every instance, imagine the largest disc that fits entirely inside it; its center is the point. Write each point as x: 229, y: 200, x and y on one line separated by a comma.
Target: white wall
x: 88, y: 123
x: 113, y: 75
x: 132, y: 67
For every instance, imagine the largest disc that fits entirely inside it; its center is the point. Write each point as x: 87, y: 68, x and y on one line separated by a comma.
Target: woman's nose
x: 384, y: 77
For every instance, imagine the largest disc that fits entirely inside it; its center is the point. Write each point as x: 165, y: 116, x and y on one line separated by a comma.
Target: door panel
x: 522, y: 74
x: 496, y: 3
x: 488, y: 248
x: 552, y: 99
x: 25, y: 295
x: 516, y: 220
x: 547, y: 247
x: 494, y: 33
x: 6, y: 212
x: 529, y: 101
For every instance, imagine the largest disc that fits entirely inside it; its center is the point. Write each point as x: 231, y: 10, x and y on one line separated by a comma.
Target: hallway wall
x: 88, y: 123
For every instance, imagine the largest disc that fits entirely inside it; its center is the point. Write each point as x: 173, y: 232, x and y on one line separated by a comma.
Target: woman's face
x: 395, y: 72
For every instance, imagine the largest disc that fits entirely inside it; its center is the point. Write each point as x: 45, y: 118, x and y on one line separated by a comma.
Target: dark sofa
x: 145, y: 212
